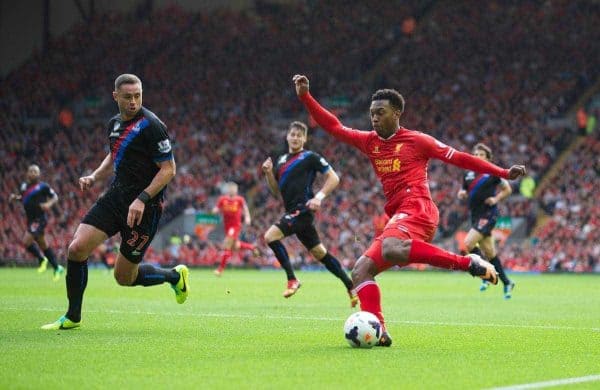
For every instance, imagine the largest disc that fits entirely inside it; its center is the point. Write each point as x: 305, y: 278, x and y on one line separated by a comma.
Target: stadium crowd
x: 221, y: 81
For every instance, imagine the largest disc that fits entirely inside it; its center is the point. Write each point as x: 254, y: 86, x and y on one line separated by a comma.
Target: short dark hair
x: 127, y: 78
x: 486, y: 149
x: 396, y: 100
x: 300, y: 126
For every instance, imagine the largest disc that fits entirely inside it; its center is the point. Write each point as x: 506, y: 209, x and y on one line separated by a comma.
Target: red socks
x: 422, y: 252
x: 224, y: 257
x: 370, y: 299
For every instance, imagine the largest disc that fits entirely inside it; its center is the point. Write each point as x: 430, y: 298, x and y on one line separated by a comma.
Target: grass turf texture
x: 238, y: 332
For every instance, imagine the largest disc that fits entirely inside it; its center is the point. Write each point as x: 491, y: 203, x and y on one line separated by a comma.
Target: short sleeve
x: 158, y: 142
x: 319, y: 163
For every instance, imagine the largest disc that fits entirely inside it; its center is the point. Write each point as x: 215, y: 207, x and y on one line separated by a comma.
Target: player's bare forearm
x: 164, y: 175
x: 105, y: 169
x: 331, y: 182
x: 52, y: 201
x: 272, y: 183
x: 505, y: 190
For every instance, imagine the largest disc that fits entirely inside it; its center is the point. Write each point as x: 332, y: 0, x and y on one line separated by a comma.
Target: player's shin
x: 149, y: 275
x: 49, y: 253
x: 76, y: 279
x: 334, y: 266
x: 370, y: 299
x: 225, y: 256
x: 35, y: 251
x: 282, y: 256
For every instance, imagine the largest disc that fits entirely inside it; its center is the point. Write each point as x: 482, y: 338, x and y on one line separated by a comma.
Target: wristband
x: 144, y: 197
x: 320, y: 195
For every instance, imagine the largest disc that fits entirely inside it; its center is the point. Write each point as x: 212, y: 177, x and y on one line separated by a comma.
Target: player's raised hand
x: 301, y: 83
x: 86, y: 182
x: 267, y: 166
x: 516, y: 171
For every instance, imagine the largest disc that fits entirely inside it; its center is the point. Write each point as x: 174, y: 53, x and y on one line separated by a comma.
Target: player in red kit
x: 400, y: 157
x: 232, y: 206
x: 379, y: 222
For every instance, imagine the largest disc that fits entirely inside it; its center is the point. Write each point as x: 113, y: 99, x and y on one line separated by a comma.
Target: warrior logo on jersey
x: 323, y: 162
x: 164, y: 146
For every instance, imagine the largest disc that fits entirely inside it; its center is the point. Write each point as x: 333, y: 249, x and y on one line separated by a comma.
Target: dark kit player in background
x: 293, y: 180
x: 480, y: 190
x: 143, y: 164
x: 38, y: 198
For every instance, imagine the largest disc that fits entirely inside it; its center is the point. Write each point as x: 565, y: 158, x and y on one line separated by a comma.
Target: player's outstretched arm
x: 329, y: 122
x: 436, y: 149
x: 470, y: 162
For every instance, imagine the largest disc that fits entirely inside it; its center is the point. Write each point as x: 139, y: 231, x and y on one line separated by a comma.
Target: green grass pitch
x: 238, y: 332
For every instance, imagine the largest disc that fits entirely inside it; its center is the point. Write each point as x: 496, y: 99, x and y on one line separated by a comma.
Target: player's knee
x: 395, y: 250
x: 269, y: 237
x: 77, y: 251
x: 364, y: 269
x: 318, y: 252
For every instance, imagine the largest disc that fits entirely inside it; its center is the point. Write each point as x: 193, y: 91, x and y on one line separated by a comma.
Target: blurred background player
x: 232, y: 206
x: 293, y: 180
x: 480, y: 189
x: 143, y: 164
x: 400, y: 157
x: 38, y: 198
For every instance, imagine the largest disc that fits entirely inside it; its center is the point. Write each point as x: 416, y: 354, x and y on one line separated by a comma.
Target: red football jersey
x: 231, y: 208
x: 400, y: 161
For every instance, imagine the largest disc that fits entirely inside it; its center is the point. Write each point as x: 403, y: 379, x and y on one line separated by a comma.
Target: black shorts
x: 109, y: 214
x: 301, y: 223
x: 37, y: 226
x: 484, y: 222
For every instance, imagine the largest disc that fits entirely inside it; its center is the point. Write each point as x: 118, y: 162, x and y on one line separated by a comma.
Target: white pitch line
x: 284, y: 317
x: 557, y: 382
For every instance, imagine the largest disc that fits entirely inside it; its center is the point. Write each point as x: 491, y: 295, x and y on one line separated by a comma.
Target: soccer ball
x: 362, y: 330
